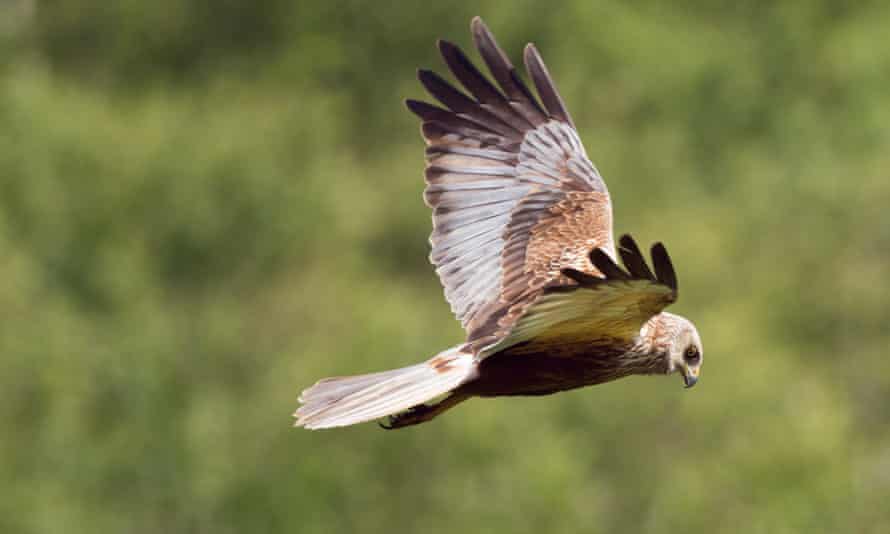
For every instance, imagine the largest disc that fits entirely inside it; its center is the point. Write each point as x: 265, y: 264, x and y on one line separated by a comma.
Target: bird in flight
x: 522, y: 243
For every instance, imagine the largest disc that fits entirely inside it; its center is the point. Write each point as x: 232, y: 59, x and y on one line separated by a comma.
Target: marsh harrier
x: 522, y: 242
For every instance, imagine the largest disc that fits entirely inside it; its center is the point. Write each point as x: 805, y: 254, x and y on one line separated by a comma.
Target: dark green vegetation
x: 206, y: 206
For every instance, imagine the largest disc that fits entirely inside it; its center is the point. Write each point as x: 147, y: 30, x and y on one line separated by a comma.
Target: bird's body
x: 534, y: 368
x: 522, y: 241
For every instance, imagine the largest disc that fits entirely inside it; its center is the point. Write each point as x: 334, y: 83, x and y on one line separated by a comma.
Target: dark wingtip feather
x: 582, y: 278
x: 449, y: 51
x: 422, y: 109
x: 634, y: 262
x: 483, y: 36
x: 446, y: 47
x: 664, y: 269
x: 536, y: 68
x: 633, y: 258
x: 471, y: 78
x: 444, y: 92
x: 427, y: 76
x: 447, y: 122
x: 626, y: 240
x: 458, y: 102
x: 504, y: 73
x: 489, y: 97
x: 607, y: 266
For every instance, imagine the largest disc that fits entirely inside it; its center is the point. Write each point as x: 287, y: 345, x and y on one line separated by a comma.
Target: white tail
x: 348, y: 400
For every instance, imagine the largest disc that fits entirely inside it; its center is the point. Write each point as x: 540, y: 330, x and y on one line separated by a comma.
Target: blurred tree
x: 206, y: 205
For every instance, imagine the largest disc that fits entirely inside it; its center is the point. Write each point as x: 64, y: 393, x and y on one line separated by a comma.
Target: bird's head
x: 685, y: 354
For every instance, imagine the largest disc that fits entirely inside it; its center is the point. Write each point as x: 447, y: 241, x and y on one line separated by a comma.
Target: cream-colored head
x: 685, y: 353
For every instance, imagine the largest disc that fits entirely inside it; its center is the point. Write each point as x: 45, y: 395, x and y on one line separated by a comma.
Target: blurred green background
x: 205, y: 206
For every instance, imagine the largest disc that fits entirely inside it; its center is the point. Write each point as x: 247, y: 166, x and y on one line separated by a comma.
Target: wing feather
x: 515, y: 198
x: 607, y: 266
x: 502, y: 70
x: 545, y: 86
x: 633, y: 258
x: 463, y: 105
x: 664, y: 269
x: 612, y: 306
x: 485, y: 93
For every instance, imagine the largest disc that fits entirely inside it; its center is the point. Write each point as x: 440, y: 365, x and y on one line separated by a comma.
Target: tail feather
x: 348, y: 400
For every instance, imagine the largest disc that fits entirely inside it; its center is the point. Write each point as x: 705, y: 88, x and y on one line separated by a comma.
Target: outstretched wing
x: 613, y: 306
x: 515, y: 199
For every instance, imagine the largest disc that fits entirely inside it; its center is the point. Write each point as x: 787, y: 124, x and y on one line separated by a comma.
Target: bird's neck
x: 649, y: 352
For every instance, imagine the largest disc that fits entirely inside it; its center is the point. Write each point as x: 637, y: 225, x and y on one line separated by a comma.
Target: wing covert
x: 613, y: 305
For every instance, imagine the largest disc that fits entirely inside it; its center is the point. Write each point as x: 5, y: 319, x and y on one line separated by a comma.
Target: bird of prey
x: 522, y: 243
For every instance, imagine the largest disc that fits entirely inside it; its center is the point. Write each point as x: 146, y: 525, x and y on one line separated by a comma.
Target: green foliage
x: 206, y: 206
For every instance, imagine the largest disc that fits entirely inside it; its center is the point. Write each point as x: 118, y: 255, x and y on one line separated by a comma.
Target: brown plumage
x: 522, y: 243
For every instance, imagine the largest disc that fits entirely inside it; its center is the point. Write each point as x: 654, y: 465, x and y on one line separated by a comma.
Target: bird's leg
x: 422, y: 412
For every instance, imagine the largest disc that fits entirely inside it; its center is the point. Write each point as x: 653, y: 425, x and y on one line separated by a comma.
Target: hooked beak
x: 690, y: 376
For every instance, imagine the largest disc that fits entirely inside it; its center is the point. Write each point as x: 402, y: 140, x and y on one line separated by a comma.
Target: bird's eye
x: 691, y: 355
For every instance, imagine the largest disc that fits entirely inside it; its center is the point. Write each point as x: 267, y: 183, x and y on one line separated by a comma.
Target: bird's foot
x: 413, y: 416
